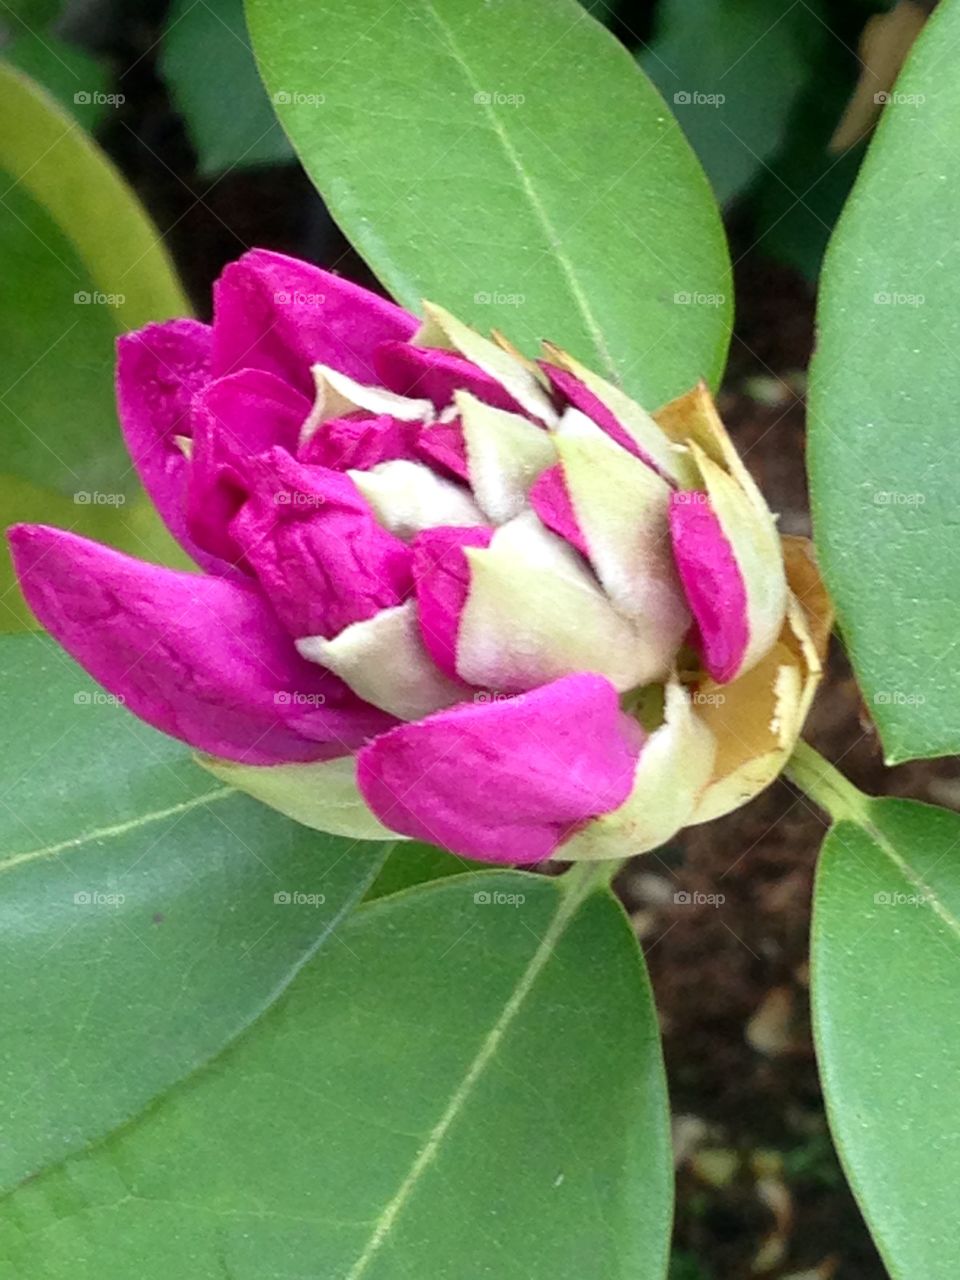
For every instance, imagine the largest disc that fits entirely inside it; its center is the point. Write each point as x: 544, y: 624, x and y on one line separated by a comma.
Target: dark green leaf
x: 413, y: 863
x: 732, y: 70
x: 512, y: 163
x: 208, y: 64
x: 462, y: 1089
x: 139, y: 929
x: 78, y: 82
x: 80, y: 263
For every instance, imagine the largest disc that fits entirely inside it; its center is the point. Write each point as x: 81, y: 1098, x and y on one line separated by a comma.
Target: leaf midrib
x: 570, y: 903
x: 114, y: 830
x: 580, y: 299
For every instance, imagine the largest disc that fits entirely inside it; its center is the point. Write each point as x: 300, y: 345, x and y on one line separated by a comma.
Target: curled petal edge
x: 757, y: 718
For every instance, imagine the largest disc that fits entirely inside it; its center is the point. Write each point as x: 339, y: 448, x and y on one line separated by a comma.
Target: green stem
x: 584, y: 877
x: 825, y: 784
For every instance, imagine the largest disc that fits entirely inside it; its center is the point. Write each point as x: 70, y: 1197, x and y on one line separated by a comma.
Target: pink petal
x: 576, y: 394
x: 505, y: 781
x: 283, y: 315
x: 432, y: 374
x: 159, y: 370
x: 359, y: 442
x: 712, y: 582
x: 442, y: 576
x: 200, y: 658
x: 319, y: 553
x: 551, y: 501
x: 234, y: 419
x: 442, y: 445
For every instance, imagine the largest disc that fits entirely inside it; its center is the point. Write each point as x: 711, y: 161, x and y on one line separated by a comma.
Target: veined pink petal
x: 443, y: 446
x: 505, y: 780
x: 234, y: 419
x: 551, y: 501
x: 200, y: 658
x: 442, y: 576
x: 712, y: 582
x: 435, y: 374
x: 159, y: 370
x: 321, y: 557
x: 570, y: 386
x: 283, y: 315
x: 360, y: 441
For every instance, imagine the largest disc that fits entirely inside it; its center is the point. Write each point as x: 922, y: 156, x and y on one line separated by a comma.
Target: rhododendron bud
x: 448, y: 592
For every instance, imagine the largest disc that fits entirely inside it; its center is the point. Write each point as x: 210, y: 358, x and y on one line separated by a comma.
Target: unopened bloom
x: 447, y: 592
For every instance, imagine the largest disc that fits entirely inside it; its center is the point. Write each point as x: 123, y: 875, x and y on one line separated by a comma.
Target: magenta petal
x: 159, y: 370
x: 283, y: 315
x: 359, y: 442
x: 551, y: 501
x: 505, y: 781
x: 441, y: 573
x: 442, y: 445
x: 234, y: 419
x: 428, y: 373
x: 319, y: 553
x: 200, y: 658
x: 712, y: 582
x: 576, y: 394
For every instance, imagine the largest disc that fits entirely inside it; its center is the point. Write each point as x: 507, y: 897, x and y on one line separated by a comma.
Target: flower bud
x: 448, y: 593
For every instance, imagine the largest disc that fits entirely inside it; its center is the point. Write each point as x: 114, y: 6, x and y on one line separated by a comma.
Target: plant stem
x: 584, y: 877
x: 808, y: 770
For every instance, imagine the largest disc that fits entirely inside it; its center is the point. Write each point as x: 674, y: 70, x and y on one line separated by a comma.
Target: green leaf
x: 884, y: 388
x: 733, y: 70
x: 207, y: 62
x: 463, y: 1088
x: 71, y: 235
x: 413, y: 863
x: 512, y: 163
x: 886, y: 972
x: 77, y: 81
x: 139, y: 931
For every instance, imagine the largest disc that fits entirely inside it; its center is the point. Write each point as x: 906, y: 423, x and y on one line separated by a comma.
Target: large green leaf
x: 139, y: 930
x: 886, y: 978
x: 465, y: 1088
x: 511, y: 162
x: 209, y: 66
x: 884, y: 390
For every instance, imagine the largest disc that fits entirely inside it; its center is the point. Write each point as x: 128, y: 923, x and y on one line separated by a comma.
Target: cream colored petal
x: 534, y: 613
x: 505, y: 454
x: 674, y: 767
x: 383, y: 660
x: 323, y: 796
x: 641, y: 426
x: 408, y: 497
x: 753, y: 537
x: 622, y: 508
x: 446, y: 331
x: 338, y: 395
